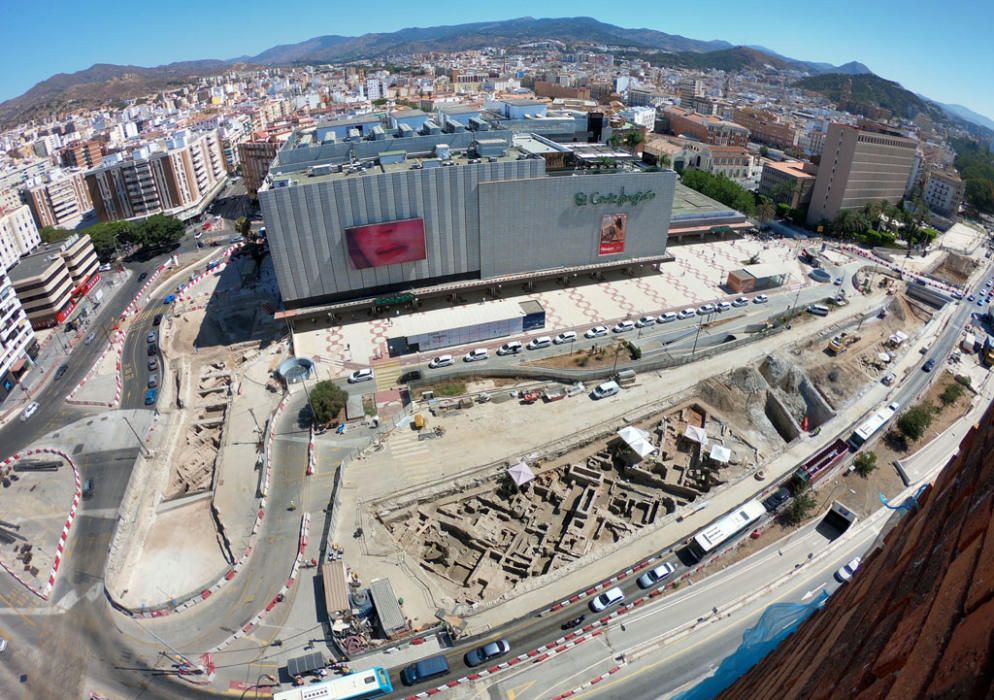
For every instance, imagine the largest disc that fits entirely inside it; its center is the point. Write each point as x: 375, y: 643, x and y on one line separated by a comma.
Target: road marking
x: 512, y: 693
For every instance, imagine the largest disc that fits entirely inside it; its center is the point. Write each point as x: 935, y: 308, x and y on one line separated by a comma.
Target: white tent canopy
x: 695, y: 434
x: 720, y: 453
x: 637, y: 440
x: 521, y: 473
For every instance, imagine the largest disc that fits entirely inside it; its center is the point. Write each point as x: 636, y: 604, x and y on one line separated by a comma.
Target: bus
x: 371, y: 683
x: 872, y: 425
x: 725, y: 528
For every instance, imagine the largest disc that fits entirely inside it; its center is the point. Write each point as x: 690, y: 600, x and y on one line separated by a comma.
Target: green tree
x: 951, y: 393
x: 159, y: 231
x: 915, y: 421
x: 243, y: 226
x: 720, y: 188
x: 51, y: 234
x: 764, y: 151
x: 327, y: 401
x: 765, y: 212
x: 106, y: 236
x: 865, y: 463
x: 799, y: 508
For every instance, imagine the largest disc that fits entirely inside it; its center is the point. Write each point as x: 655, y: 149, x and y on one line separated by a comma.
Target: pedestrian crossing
x: 387, y: 373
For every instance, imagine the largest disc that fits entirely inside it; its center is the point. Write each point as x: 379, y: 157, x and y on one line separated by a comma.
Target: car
x: 152, y: 349
x: 106, y: 267
x: 441, y: 361
x: 512, y: 348
x: 605, y: 600
x: 169, y: 299
x: 705, y: 309
x: 958, y: 296
x: 596, y: 332
x: 543, y: 341
x: 487, y: 652
x: 425, y: 669
x: 29, y: 410
x: 972, y: 297
x: 90, y: 338
x: 667, y: 317
x: 655, y: 575
x: 929, y: 365
x: 741, y: 301
x: 153, y: 381
x: 151, y: 337
x: 153, y: 364
x: 60, y: 371
x: 645, y: 321
x: 722, y: 306
x: 476, y: 355
x: 888, y: 379
x: 361, y: 375
x: 198, y: 235
x: 157, y: 320
x: 623, y: 327
x: 602, y: 391
x: 142, y: 276
x: 838, y: 282
x: 847, y: 570
x: 87, y: 490
x: 687, y: 313
x: 3, y: 644
x: 776, y: 499
x: 980, y: 302
x: 760, y: 299
x: 150, y: 396
x: 237, y: 239
x: 565, y: 337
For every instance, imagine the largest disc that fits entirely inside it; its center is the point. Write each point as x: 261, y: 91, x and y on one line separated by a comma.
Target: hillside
x: 734, y: 59
x: 868, y: 94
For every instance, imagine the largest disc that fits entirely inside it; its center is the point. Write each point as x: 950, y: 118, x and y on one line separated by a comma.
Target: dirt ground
x: 955, y: 269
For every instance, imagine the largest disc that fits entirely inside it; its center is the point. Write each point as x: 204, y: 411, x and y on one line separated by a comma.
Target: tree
x: 951, y: 393
x: 799, y: 508
x: 721, y: 188
x: 865, y: 463
x: 915, y: 421
x: 765, y: 212
x: 763, y: 151
x: 159, y: 231
x: 51, y: 234
x: 243, y: 226
x: 327, y: 401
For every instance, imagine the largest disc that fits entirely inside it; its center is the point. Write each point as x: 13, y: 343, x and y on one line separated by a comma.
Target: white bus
x: 872, y: 424
x: 370, y: 683
x: 725, y: 528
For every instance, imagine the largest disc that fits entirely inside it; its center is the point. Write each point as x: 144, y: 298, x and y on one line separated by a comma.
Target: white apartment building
x: 17, y: 337
x: 18, y: 235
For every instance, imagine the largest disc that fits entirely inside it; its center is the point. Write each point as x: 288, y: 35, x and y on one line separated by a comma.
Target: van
x: 818, y: 310
x: 441, y: 361
x: 432, y: 667
x: 540, y: 342
x: 602, y: 391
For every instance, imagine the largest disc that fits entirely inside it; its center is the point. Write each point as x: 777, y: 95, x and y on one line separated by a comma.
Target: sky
x: 943, y: 50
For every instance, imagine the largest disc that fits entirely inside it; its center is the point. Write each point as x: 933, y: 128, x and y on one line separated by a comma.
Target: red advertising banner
x: 614, y: 228
x: 389, y: 243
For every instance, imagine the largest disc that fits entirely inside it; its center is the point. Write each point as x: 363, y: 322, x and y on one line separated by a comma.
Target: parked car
x: 487, y: 652
x: 705, y: 309
x: 60, y: 371
x: 687, y: 313
x: 760, y: 299
x: 605, y: 600
x: 655, y: 575
x: 929, y: 365
x: 90, y: 338
x: 150, y: 396
x: 645, y: 321
x: 153, y: 364
x: 441, y: 361
x: 361, y: 375
x: 776, y: 499
x: 87, y: 490
x: 157, y: 320
x: 741, y: 301
x: 602, y: 391
x: 511, y: 348
x: 847, y: 571
x: 596, y: 332
x: 476, y: 355
x: 142, y: 276
x: 667, y: 317
x: 153, y: 381
x: 623, y: 327
x: 106, y: 267
x: 152, y: 349
x: 565, y: 337
x: 972, y: 297
x: 29, y: 410
x: 3, y: 645
x: 151, y: 337
x: 888, y: 379
x: 722, y: 306
x: 542, y: 341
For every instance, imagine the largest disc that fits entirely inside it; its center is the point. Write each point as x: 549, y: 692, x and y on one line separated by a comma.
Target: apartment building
x: 18, y: 235
x: 17, y: 338
x: 50, y: 282
x: 860, y: 165
x: 766, y: 127
x: 555, y: 90
x: 943, y: 192
x: 83, y: 154
x: 256, y: 156
x: 705, y: 128
x: 790, y: 182
x: 179, y: 180
x: 58, y: 198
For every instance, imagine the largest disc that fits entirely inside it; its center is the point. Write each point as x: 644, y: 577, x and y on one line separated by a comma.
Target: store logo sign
x: 582, y: 199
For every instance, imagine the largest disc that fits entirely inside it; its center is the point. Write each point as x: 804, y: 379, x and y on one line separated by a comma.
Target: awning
x: 637, y: 440
x: 720, y: 453
x: 695, y: 434
x: 521, y: 473
x: 300, y: 665
x: 336, y: 588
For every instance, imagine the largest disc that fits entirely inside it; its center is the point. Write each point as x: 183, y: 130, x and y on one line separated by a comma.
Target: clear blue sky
x: 941, y: 49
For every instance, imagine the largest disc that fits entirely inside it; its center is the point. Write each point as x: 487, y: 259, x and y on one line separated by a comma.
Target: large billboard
x: 389, y: 243
x: 614, y: 228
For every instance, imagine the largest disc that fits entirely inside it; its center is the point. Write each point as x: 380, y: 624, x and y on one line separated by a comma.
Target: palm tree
x: 765, y: 213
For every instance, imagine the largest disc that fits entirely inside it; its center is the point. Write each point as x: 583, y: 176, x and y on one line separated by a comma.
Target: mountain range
x: 104, y: 83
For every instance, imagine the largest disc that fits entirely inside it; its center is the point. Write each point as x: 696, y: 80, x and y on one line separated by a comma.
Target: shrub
x: 915, y: 421
x: 450, y: 388
x: 865, y: 463
x: 327, y: 401
x: 951, y: 393
x: 799, y: 508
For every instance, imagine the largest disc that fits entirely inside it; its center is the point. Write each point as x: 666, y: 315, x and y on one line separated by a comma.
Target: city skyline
x: 908, y: 52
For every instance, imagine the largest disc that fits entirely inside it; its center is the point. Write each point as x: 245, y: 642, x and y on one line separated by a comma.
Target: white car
x: 741, y: 301
x: 705, y: 309
x: 722, y: 306
x: 606, y: 599
x: 361, y: 375
x: 3, y: 645
x: 655, y: 575
x: 106, y: 267
x: 847, y: 571
x: 687, y: 313
x: 29, y: 410
x: 566, y: 337
x: 441, y: 361
x: 645, y: 321
x: 512, y: 348
x: 761, y: 299
x: 542, y: 341
x: 198, y: 235
x: 477, y: 355
x: 596, y: 332
x: 667, y: 317
x: 623, y: 327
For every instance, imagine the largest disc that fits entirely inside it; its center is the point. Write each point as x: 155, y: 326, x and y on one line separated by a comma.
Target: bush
x: 327, y: 401
x: 865, y: 463
x: 915, y: 421
x: 951, y: 393
x: 799, y: 508
x: 450, y: 388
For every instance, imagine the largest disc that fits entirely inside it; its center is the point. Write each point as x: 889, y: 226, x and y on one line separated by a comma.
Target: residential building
x: 708, y: 129
x: 688, y: 89
x: 766, y: 127
x: 179, y: 180
x: 17, y: 338
x: 257, y: 155
x: 944, y: 192
x: 83, y: 154
x: 58, y: 198
x: 553, y: 90
x: 860, y: 165
x: 733, y: 162
x: 50, y: 282
x: 18, y: 235
x: 790, y: 182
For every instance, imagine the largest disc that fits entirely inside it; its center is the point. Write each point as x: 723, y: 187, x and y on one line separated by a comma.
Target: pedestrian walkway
x: 415, y: 454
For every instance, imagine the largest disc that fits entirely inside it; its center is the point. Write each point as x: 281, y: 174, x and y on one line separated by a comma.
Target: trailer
x: 819, y: 465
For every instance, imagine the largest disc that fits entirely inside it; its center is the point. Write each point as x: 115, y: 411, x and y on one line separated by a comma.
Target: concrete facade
x: 18, y: 235
x: 790, y: 182
x: 59, y: 199
x: 944, y: 192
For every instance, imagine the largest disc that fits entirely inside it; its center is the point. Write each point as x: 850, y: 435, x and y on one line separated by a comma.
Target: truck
x: 969, y: 343
x: 840, y: 343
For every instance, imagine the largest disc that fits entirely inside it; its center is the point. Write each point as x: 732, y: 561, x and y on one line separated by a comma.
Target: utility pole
x: 141, y: 444
x: 700, y: 324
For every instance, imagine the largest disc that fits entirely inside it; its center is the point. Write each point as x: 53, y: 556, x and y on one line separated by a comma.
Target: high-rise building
x: 689, y: 89
x: 17, y: 338
x: 179, y: 180
x: 58, y: 198
x: 765, y: 127
x: 18, y: 235
x: 257, y: 155
x: 82, y: 154
x: 50, y: 282
x: 944, y: 192
x: 860, y: 165
x: 790, y: 182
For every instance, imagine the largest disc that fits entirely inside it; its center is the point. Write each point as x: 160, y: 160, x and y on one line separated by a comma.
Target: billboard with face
x: 389, y: 243
x: 614, y: 227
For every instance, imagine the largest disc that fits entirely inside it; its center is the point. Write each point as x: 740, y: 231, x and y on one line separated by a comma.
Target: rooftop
x: 687, y: 202
x: 794, y: 168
